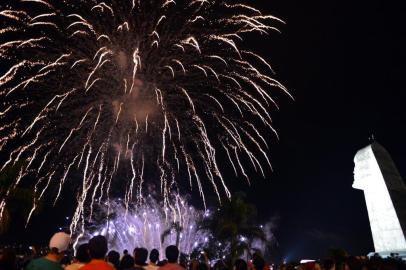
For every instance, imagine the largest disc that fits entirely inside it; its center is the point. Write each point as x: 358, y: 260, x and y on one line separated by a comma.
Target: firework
x: 117, y: 89
x: 150, y: 225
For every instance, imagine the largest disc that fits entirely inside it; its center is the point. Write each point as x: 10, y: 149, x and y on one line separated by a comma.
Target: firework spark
x: 145, y: 225
x: 112, y: 89
x: 151, y: 225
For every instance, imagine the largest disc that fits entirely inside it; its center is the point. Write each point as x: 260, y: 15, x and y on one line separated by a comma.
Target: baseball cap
x: 60, y: 241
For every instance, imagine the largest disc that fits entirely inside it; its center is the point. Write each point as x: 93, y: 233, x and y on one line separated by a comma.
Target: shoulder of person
x: 33, y: 264
x: 84, y: 267
x: 30, y: 265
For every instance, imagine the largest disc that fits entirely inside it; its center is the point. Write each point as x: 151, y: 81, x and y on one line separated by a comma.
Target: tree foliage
x: 175, y: 226
x: 234, y: 224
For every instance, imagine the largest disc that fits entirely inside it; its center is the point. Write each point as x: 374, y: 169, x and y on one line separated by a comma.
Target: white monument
x: 385, y: 196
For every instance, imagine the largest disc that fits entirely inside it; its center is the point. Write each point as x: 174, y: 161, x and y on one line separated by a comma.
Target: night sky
x: 344, y: 63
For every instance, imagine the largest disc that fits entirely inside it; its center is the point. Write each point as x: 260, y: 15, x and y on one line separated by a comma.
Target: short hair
x: 172, y: 254
x: 154, y: 255
x: 98, y: 247
x: 114, y: 258
x: 125, y: 252
x: 82, y: 253
x: 54, y: 250
x: 140, y: 256
x: 127, y: 262
x: 240, y: 264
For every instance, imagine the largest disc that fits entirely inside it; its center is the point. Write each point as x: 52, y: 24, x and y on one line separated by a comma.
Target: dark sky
x: 344, y: 63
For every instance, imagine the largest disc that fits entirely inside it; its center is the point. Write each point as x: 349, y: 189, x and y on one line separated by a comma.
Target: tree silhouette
x: 173, y: 226
x: 234, y: 224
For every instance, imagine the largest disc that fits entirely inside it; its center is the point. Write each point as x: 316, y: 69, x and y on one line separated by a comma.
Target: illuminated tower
x: 385, y: 196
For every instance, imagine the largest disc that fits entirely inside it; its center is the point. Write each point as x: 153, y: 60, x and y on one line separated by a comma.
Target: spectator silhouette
x: 113, y: 257
x: 97, y: 250
x: 172, y: 255
x: 81, y: 258
x: 153, y: 260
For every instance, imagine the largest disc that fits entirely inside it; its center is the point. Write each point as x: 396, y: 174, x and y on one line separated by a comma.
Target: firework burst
x: 149, y: 225
x: 112, y: 89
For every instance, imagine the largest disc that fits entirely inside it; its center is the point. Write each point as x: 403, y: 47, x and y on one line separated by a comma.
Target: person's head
x: 309, y: 266
x: 154, y: 256
x: 317, y: 266
x: 98, y: 247
x: 140, y: 256
x: 299, y: 267
x: 114, y: 258
x: 354, y: 263
x: 329, y: 264
x: 240, y: 264
x: 162, y: 263
x: 82, y: 253
x: 172, y: 254
x: 58, y: 244
x: 126, y: 262
x: 125, y: 252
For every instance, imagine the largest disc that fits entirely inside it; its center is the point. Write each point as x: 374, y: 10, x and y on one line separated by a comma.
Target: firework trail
x: 115, y: 89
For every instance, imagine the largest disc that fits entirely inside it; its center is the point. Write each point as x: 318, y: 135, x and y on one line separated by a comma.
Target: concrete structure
x: 385, y: 196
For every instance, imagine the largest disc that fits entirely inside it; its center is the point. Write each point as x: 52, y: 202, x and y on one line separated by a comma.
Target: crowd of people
x: 95, y: 255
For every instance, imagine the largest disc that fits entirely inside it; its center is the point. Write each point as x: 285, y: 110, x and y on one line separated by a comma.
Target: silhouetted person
x: 140, y: 257
x: 81, y: 258
x: 113, y: 257
x: 127, y: 262
x: 153, y: 260
x: 172, y: 255
x: 97, y: 250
